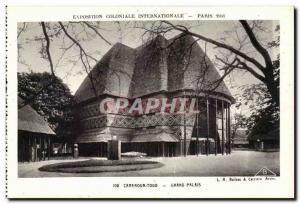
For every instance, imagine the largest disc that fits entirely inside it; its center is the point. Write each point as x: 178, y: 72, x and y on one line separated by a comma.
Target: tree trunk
x: 271, y: 85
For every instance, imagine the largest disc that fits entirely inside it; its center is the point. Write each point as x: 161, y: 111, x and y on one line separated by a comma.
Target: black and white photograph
x: 146, y: 100
x: 151, y: 98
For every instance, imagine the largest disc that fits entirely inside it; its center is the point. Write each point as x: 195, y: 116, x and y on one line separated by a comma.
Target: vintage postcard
x: 159, y: 102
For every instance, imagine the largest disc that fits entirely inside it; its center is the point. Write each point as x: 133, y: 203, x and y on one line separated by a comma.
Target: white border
x: 282, y: 187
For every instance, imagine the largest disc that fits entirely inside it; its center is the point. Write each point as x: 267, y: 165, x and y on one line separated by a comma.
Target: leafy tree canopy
x: 50, y: 97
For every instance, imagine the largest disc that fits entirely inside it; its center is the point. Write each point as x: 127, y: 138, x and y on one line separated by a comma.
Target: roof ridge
x: 121, y: 44
x: 149, y: 41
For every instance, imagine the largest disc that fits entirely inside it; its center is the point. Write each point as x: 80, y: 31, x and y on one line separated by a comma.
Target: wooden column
x: 45, y: 148
x: 184, y: 135
x: 216, y: 123
x: 207, y: 120
x: 24, y: 153
x: 41, y: 153
x: 179, y: 147
x: 35, y: 149
x: 49, y: 148
x: 226, y: 132
x: 222, y: 127
x: 229, y: 133
x: 197, y: 128
x: 29, y: 150
x: 98, y: 149
x: 158, y: 151
x: 39, y: 140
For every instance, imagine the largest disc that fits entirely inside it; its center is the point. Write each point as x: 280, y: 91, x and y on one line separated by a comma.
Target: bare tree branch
x: 256, y: 44
x: 96, y: 31
x: 48, y: 47
x: 77, y: 43
x: 82, y: 52
x: 221, y: 45
x: 22, y: 30
x: 251, y: 70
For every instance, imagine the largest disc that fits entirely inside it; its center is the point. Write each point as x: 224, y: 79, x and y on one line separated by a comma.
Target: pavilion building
x: 160, y: 68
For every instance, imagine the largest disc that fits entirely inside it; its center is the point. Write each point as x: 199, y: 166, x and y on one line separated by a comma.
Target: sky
x: 68, y: 67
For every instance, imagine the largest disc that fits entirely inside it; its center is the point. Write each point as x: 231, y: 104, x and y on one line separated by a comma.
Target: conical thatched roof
x: 159, y: 65
x: 29, y: 120
x: 190, y: 68
x: 150, y: 72
x: 111, y: 75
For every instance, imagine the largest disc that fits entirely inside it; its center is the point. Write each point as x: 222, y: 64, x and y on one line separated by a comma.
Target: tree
x: 240, y: 121
x: 265, y: 115
x: 54, y: 103
x: 264, y: 124
x: 236, y: 59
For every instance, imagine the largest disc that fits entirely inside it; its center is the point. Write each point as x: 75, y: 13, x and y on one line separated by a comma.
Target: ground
x: 239, y: 163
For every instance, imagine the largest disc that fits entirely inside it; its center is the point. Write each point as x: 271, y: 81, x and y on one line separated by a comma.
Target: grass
x: 96, y: 166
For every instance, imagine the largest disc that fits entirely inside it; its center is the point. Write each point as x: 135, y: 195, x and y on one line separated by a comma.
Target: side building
x: 34, y: 134
x: 160, y: 68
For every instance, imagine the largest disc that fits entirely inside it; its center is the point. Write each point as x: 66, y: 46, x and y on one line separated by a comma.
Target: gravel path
x: 239, y: 163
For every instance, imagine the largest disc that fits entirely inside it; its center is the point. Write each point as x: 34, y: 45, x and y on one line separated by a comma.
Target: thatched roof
x: 151, y: 71
x: 188, y: 65
x: 29, y: 120
x: 159, y: 65
x: 112, y: 74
